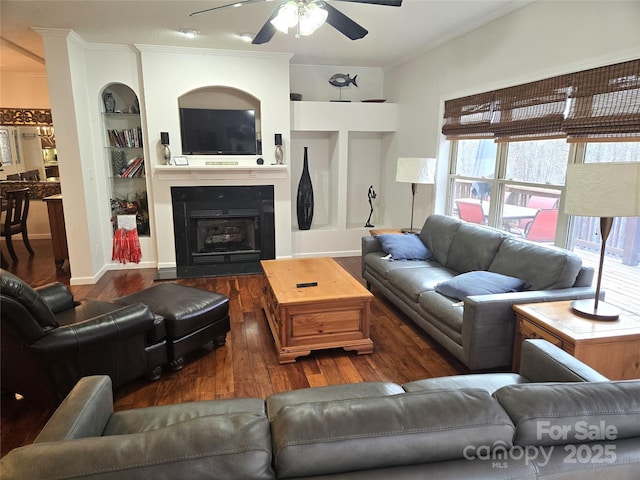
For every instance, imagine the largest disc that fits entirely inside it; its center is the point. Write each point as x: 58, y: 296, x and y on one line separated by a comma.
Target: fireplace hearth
x: 222, y: 230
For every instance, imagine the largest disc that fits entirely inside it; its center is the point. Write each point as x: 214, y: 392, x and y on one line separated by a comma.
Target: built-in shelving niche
x: 348, y: 144
x: 323, y: 166
x: 125, y: 159
x: 366, y: 154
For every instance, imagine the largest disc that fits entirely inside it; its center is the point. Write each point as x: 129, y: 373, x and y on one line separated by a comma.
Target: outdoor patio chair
x: 543, y: 226
x: 537, y: 201
x: 470, y: 211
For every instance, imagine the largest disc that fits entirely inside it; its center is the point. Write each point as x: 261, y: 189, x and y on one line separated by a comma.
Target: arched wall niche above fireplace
x: 224, y: 98
x: 219, y: 97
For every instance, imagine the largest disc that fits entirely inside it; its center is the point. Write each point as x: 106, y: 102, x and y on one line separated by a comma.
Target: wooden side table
x: 382, y: 231
x: 610, y: 347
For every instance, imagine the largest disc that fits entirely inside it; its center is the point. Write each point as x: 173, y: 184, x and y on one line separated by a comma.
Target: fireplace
x: 222, y: 230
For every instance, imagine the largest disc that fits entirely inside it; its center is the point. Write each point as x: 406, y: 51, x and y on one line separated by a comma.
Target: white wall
x: 24, y: 90
x: 69, y: 90
x: 169, y: 73
x: 541, y: 40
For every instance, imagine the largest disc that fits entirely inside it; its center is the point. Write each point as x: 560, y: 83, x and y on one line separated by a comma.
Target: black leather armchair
x: 49, y: 340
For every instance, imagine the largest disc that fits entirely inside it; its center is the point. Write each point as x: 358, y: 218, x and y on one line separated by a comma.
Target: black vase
x: 305, y: 196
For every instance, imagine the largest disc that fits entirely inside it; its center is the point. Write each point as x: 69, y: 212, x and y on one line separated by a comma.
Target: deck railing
x: 623, y: 242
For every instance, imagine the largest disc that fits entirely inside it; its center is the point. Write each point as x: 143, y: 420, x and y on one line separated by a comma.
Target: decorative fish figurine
x: 342, y: 80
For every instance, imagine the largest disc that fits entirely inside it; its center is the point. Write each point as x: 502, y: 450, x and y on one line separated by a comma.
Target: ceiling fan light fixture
x: 247, y: 36
x: 189, y: 32
x: 312, y: 18
x: 287, y: 16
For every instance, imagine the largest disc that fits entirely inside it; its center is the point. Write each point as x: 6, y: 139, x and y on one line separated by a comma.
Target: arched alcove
x: 125, y: 99
x: 223, y: 103
x: 125, y: 156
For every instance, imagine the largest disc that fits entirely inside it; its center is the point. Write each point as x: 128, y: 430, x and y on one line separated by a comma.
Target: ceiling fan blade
x: 389, y: 3
x: 344, y: 24
x: 229, y: 5
x: 267, y: 31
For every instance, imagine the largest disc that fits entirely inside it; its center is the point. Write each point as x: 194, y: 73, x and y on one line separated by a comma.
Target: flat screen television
x: 218, y: 132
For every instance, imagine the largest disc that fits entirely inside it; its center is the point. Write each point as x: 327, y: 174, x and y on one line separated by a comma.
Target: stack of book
x: 135, y: 168
x: 126, y: 138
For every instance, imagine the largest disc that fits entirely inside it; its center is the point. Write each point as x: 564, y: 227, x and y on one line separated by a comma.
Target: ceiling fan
x: 306, y: 16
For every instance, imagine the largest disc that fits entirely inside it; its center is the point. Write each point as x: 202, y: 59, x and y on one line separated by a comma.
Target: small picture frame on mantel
x: 180, y: 161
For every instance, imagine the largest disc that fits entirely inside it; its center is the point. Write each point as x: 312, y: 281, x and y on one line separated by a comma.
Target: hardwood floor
x: 246, y: 366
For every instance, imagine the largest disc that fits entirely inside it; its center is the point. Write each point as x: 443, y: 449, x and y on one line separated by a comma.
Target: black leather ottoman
x: 192, y: 317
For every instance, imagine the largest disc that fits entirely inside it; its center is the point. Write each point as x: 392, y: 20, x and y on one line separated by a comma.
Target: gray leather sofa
x: 557, y: 418
x: 478, y: 329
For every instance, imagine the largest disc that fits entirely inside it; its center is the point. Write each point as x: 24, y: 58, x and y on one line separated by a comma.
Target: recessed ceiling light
x: 189, y: 32
x: 247, y: 36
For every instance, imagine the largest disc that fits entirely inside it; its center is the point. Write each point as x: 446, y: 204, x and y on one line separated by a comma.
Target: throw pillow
x: 480, y: 283
x: 404, y: 247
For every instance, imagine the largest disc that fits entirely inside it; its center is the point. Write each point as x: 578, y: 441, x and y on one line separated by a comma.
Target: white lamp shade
x: 603, y: 189
x: 416, y: 170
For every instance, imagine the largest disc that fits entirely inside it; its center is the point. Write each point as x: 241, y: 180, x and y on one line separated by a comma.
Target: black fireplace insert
x: 223, y: 230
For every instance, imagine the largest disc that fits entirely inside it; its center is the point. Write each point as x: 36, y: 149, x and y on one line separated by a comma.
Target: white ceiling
x: 395, y: 33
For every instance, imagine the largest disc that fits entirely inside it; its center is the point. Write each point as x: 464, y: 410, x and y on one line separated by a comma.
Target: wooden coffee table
x: 332, y: 314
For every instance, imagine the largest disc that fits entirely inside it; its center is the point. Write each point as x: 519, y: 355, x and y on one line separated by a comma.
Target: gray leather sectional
x: 556, y: 419
x: 478, y: 329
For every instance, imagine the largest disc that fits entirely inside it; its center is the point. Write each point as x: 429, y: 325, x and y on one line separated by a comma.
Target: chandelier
x: 307, y: 16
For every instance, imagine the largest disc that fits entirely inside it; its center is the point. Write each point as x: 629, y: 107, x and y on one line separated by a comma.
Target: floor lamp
x: 604, y: 190
x: 415, y: 170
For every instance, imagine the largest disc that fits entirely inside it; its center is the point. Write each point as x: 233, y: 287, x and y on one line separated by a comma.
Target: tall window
x: 510, y: 151
x: 518, y: 187
x: 513, y: 186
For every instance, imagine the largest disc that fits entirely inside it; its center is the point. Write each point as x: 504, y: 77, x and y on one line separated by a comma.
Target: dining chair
x: 470, y: 211
x: 31, y: 175
x: 543, y: 226
x: 15, y: 220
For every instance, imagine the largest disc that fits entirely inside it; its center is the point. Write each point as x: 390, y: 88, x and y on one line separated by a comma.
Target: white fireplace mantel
x: 219, y: 172
x: 164, y: 177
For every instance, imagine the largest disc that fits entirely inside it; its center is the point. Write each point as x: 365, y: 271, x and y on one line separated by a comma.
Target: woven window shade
x: 533, y: 109
x: 598, y: 104
x: 468, y: 117
x: 605, y: 103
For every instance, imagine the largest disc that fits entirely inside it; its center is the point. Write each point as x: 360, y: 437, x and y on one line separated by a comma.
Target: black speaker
x: 278, y: 139
x: 164, y: 138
